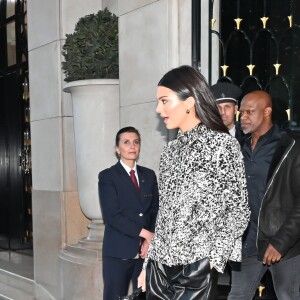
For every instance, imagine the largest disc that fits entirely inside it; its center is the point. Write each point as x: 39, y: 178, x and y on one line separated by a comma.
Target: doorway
x: 15, y: 146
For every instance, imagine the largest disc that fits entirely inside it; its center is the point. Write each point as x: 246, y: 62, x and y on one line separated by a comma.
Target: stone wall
x: 154, y: 36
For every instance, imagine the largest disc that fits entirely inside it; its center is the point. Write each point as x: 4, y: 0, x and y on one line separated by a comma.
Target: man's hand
x: 144, y: 249
x: 271, y: 256
x: 142, y: 280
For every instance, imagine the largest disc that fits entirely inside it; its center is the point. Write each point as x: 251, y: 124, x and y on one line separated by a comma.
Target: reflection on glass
x: 10, y: 8
x: 11, y: 43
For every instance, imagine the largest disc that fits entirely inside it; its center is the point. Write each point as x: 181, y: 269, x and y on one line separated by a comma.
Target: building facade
x: 154, y: 36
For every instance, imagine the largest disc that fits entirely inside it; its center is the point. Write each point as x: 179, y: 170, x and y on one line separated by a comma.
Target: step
x: 15, y: 287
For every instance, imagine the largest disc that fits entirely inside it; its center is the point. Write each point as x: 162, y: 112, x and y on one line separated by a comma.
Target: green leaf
x: 91, y: 51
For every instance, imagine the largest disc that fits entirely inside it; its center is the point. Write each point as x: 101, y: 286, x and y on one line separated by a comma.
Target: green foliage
x: 92, y: 51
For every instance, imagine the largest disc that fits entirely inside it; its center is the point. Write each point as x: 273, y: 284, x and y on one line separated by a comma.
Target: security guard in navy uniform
x: 227, y: 96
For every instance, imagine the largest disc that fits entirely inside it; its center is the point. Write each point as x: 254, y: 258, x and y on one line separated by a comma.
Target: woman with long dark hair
x: 203, y: 208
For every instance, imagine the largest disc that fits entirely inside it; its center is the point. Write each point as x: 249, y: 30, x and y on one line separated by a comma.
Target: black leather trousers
x: 195, y: 281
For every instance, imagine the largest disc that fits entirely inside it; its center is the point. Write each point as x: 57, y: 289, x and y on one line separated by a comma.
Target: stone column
x: 96, y: 121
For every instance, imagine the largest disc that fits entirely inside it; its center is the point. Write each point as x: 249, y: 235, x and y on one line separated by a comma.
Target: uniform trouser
x: 195, y: 281
x: 117, y: 274
x: 246, y: 276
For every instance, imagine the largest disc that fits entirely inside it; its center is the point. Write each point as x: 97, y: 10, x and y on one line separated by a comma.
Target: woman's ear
x: 190, y: 103
x: 117, y: 151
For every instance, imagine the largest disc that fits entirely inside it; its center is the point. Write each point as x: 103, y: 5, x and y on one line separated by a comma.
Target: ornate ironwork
x: 259, y: 48
x: 26, y: 148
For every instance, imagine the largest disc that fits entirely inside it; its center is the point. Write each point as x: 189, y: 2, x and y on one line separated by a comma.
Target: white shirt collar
x: 128, y: 169
x: 232, y: 131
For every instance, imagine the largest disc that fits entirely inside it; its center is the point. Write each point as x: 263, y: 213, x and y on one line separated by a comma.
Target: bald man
x: 272, y: 239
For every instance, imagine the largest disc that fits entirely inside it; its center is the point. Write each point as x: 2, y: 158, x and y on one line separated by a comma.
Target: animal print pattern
x: 203, y: 208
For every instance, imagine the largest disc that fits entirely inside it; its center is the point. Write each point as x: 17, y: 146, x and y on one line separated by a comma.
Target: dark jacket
x: 125, y: 210
x: 257, y: 165
x: 279, y: 218
x: 239, y: 135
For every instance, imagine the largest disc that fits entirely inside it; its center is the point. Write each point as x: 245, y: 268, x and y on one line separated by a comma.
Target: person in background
x: 227, y: 96
x: 203, y: 206
x: 129, y: 201
x: 272, y: 239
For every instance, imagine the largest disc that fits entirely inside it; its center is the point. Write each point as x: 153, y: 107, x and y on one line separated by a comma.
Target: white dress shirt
x: 128, y: 169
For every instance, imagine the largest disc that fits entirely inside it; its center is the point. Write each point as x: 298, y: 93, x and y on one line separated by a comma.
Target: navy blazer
x: 125, y: 210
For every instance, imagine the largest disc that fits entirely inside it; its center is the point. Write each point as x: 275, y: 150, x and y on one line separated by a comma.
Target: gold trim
x: 224, y: 68
x: 290, y: 20
x: 25, y: 90
x: 238, y: 22
x: 251, y: 67
x: 277, y: 66
x: 213, y: 21
x: 260, y: 290
x: 264, y: 21
x: 288, y: 111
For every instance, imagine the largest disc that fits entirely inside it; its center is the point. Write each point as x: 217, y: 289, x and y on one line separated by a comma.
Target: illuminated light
x: 290, y: 20
x: 260, y: 290
x: 264, y: 21
x: 238, y: 22
x: 224, y: 68
x: 213, y: 21
x: 277, y: 66
x: 251, y: 67
x: 237, y: 115
x: 288, y: 111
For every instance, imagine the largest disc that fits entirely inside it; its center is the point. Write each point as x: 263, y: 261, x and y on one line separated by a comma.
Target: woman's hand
x: 142, y: 280
x: 147, y: 235
x: 144, y: 249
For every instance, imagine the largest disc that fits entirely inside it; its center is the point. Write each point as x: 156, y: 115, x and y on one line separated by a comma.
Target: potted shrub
x: 91, y: 68
x: 91, y: 51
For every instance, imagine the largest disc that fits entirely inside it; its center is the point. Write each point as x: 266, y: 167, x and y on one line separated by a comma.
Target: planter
x: 96, y: 121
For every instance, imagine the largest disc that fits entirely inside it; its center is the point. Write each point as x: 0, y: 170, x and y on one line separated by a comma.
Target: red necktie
x: 134, y: 180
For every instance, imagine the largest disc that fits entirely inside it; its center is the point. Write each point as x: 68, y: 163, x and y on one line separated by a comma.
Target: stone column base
x: 81, y: 273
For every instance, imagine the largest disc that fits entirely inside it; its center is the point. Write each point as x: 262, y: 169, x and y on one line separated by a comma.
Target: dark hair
x: 126, y: 129
x: 187, y: 82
